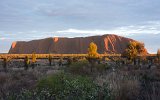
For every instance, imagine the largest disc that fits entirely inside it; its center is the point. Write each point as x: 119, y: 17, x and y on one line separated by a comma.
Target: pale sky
x: 35, y: 19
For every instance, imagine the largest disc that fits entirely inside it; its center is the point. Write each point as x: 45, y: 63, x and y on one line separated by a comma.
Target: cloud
x: 151, y: 27
x: 84, y: 14
x: 3, y: 38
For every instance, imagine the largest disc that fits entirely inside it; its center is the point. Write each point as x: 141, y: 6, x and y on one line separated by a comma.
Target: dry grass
x: 16, y: 79
x: 122, y: 85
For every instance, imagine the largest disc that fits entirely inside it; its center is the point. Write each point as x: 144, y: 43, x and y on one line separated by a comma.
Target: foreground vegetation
x: 77, y: 82
x: 87, y: 78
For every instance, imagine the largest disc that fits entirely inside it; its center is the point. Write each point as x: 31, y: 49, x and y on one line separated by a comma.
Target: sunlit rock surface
x: 60, y: 45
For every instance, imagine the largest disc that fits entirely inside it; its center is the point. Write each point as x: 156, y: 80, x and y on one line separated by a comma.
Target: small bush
x: 101, y: 67
x: 34, y: 59
x: 67, y: 87
x: 26, y: 62
x: 69, y: 61
x: 122, y: 85
x: 63, y: 87
x: 80, y: 67
x: 107, y: 59
x: 50, y: 60
x: 5, y: 63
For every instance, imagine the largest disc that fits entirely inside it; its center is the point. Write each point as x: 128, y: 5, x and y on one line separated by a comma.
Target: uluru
x: 108, y: 43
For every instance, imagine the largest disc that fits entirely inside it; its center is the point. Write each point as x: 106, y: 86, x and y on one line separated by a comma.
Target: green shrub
x: 80, y: 67
x: 67, y: 87
x: 101, y: 67
x: 63, y: 87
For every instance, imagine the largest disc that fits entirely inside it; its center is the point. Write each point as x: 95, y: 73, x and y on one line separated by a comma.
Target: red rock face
x: 106, y: 44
